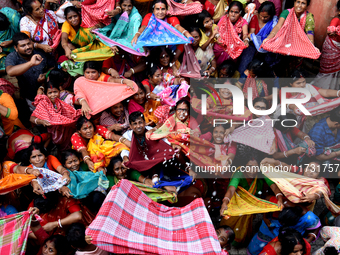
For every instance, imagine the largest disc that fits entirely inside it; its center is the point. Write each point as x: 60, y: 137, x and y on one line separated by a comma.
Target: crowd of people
x: 94, y: 92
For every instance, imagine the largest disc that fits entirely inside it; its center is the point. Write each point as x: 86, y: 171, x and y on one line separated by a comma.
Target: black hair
x: 288, y: 238
x: 182, y: 101
x: 60, y: 244
x: 289, y: 120
x: 156, y: 54
x: 27, y: 6
x: 159, y: 1
x: 260, y: 69
x: 4, y: 22
x: 338, y: 5
x: 330, y: 250
x: 67, y: 153
x: 261, y: 99
x: 151, y: 70
x: 141, y: 86
x: 196, y: 29
x: 55, y: 79
x: 201, y: 16
x: 246, y: 153
x: 225, y: 126
x: 81, y: 121
x: 268, y: 7
x: 238, y: 4
x: 290, y: 216
x: 296, y: 74
x: 135, y: 115
x: 45, y: 205
x: 76, y: 235
x: 113, y: 161
x: 25, y: 158
x: 230, y: 67
x: 308, y: 160
x: 230, y: 232
x: 96, y: 65
x: 335, y: 115
x: 308, y: 2
x: 19, y: 37
x: 122, y: 1
x: 71, y: 9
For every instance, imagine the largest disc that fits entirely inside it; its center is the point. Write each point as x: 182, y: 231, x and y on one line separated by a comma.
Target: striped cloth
x: 330, y: 61
x: 14, y: 232
x: 292, y: 40
x: 95, y: 13
x: 130, y: 222
x: 179, y: 9
x: 294, y: 186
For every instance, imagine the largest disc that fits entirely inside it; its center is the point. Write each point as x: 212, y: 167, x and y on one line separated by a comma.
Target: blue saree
x: 263, y: 33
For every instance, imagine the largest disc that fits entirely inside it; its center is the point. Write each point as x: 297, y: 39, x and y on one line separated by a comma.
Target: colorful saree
x: 90, y: 47
x: 101, y: 151
x: 84, y: 182
x: 258, y: 87
x: 158, y: 33
x: 120, y: 33
x: 128, y: 223
x: 6, y: 35
x: 329, y: 61
x: 179, y: 9
x: 294, y: 186
x: 11, y: 182
x: 292, y: 40
x: 263, y: 34
x: 148, y: 110
x: 14, y: 233
x: 95, y: 13
x: 54, y: 33
x: 101, y: 95
x: 204, y: 58
x: 190, y: 66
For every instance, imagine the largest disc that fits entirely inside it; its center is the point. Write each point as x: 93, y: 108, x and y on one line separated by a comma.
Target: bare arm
x: 275, y: 29
x: 323, y: 157
x: 328, y: 92
x: 227, y: 197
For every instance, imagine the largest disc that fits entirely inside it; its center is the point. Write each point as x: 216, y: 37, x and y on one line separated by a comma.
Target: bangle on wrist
x: 59, y: 223
x: 36, y: 121
x: 132, y: 70
x: 279, y: 194
x: 226, y: 198
x: 144, y: 180
x: 184, y: 32
x: 230, y: 161
x: 138, y: 32
x: 337, y: 93
x: 306, y: 136
x: 86, y: 157
x: 42, y: 88
x: 313, y: 235
x: 121, y: 81
x: 284, y: 153
x: 26, y: 170
x: 108, y: 71
x: 318, y: 195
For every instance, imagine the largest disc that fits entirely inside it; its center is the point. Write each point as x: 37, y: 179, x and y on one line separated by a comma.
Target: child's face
x: 223, y: 238
x: 312, y: 170
x: 52, y: 94
x: 218, y: 134
x: 91, y: 74
x: 157, y: 77
x: 208, y: 23
x: 225, y: 93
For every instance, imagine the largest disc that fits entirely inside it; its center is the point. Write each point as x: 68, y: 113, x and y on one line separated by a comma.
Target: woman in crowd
x: 116, y: 118
x: 40, y: 25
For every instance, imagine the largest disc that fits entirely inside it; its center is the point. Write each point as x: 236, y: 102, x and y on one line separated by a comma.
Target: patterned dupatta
x: 292, y: 40
x: 83, y: 37
x: 53, y: 31
x: 179, y: 9
x: 256, y: 85
x: 229, y: 36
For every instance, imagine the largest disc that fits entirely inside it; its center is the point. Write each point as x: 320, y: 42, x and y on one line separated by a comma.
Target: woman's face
x: 234, y: 14
x: 312, y: 170
x: 298, y: 250
x: 225, y: 93
x: 196, y: 37
x: 252, y: 168
x: 208, y: 23
x: 37, y: 158
x: 37, y: 10
x: 49, y: 249
x: 127, y: 6
x: 52, y: 94
x: 300, y: 83
x: 91, y: 74
x: 159, y: 10
x: 164, y: 59
x: 117, y: 110
x: 300, y: 6
x: 156, y: 78
x: 87, y: 130
x: 261, y: 106
x: 222, y: 237
x: 119, y: 170
x: 73, y: 18
x: 139, y: 97
x: 264, y: 17
x: 218, y: 134
x: 182, y: 112
x: 72, y: 163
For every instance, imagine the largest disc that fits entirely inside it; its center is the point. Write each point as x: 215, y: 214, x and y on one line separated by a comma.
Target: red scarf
x: 53, y: 31
x: 251, y: 83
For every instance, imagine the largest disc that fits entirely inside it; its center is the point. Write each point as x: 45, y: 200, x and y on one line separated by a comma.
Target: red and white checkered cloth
x: 292, y: 40
x: 255, y: 135
x: 129, y: 222
x: 178, y: 9
x: 229, y: 39
x: 95, y: 13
